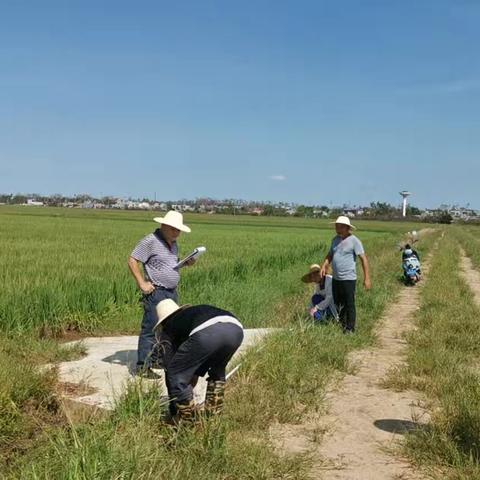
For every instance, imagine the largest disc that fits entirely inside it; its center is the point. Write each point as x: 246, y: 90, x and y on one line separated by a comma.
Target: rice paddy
x: 65, y: 270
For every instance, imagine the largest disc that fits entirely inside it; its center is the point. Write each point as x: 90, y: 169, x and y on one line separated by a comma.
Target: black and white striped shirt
x: 158, y: 260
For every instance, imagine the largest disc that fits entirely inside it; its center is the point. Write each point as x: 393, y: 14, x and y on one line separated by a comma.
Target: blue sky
x: 307, y: 101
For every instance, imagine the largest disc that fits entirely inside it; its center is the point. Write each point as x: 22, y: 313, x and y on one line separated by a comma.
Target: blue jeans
x: 146, y: 339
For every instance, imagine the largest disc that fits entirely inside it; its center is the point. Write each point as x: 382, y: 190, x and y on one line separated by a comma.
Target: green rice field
x: 66, y: 269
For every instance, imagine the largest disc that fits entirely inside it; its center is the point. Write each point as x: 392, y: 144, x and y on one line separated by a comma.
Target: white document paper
x: 194, y: 255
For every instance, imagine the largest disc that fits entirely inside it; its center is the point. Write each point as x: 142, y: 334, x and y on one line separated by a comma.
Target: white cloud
x: 278, y: 178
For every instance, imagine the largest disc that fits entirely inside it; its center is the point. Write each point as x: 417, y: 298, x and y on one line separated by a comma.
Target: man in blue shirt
x: 342, y: 256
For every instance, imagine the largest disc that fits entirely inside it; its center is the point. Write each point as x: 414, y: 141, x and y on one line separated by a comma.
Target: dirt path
x: 471, y: 275
x: 365, y: 419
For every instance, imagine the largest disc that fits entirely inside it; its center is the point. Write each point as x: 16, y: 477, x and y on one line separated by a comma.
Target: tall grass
x: 469, y: 238
x: 133, y: 444
x: 28, y: 399
x: 443, y: 363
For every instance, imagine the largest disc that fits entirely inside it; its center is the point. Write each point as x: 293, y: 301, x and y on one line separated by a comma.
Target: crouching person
x: 203, y: 339
x: 322, y: 307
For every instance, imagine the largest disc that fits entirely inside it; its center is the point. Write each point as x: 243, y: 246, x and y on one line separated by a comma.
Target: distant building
x: 463, y: 214
x: 183, y: 207
x: 320, y: 213
x: 120, y: 204
x: 353, y: 211
x: 34, y: 203
x: 256, y: 211
x: 144, y: 206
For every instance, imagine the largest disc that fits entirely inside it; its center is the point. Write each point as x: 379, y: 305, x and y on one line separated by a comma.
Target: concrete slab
x: 110, y: 364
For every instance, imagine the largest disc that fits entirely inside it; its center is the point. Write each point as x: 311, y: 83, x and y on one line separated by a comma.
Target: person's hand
x: 323, y: 271
x: 367, y: 284
x: 147, y: 287
x: 191, y: 262
x: 313, y: 310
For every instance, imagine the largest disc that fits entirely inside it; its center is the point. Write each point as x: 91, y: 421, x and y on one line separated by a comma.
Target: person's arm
x: 366, y: 272
x: 326, y: 302
x: 143, y: 285
x: 326, y: 263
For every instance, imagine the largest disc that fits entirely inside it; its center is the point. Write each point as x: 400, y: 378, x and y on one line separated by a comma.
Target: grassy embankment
x: 443, y: 363
x: 253, y: 269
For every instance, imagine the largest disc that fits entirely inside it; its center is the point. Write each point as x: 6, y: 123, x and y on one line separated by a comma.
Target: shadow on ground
x: 401, y: 427
x: 123, y: 357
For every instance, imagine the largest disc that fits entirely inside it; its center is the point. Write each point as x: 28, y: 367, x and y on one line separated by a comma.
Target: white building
x: 34, y: 203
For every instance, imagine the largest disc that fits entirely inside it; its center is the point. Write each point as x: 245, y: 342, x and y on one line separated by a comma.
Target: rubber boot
x: 186, y: 412
x: 214, y: 397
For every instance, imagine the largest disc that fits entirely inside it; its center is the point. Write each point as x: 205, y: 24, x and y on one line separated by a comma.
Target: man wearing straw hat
x: 344, y: 250
x: 158, y: 254
x: 204, y: 339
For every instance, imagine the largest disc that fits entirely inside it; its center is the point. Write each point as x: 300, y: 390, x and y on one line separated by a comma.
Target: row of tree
x: 378, y: 210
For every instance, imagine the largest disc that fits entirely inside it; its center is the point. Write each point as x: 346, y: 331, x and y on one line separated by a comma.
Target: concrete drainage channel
x: 109, y: 366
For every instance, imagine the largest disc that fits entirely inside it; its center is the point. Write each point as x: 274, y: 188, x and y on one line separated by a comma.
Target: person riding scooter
x: 411, y: 264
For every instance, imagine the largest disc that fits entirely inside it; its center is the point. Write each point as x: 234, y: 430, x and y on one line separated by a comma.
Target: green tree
x: 444, y: 217
x: 412, y: 210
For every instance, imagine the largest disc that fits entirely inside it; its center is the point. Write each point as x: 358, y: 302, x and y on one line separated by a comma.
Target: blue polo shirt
x: 344, y: 255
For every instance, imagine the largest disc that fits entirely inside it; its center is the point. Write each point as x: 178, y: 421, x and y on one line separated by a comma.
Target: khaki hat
x: 166, y: 308
x: 173, y: 219
x: 344, y: 221
x: 307, y: 278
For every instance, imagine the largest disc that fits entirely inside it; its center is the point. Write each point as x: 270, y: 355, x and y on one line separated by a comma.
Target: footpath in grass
x: 443, y: 364
x: 471, y: 275
x: 469, y: 239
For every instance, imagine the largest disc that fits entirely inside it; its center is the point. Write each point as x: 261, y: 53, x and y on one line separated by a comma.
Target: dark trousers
x: 146, y: 339
x: 344, y: 298
x: 207, y: 351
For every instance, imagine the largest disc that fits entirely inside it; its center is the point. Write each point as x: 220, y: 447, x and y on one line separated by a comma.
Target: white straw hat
x: 344, y: 221
x: 166, y: 308
x: 173, y: 219
x: 307, y: 278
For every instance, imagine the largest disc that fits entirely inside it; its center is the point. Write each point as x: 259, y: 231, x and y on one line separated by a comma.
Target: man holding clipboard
x: 158, y: 254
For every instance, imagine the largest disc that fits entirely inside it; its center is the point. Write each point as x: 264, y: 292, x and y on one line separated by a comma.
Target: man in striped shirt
x: 158, y: 254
